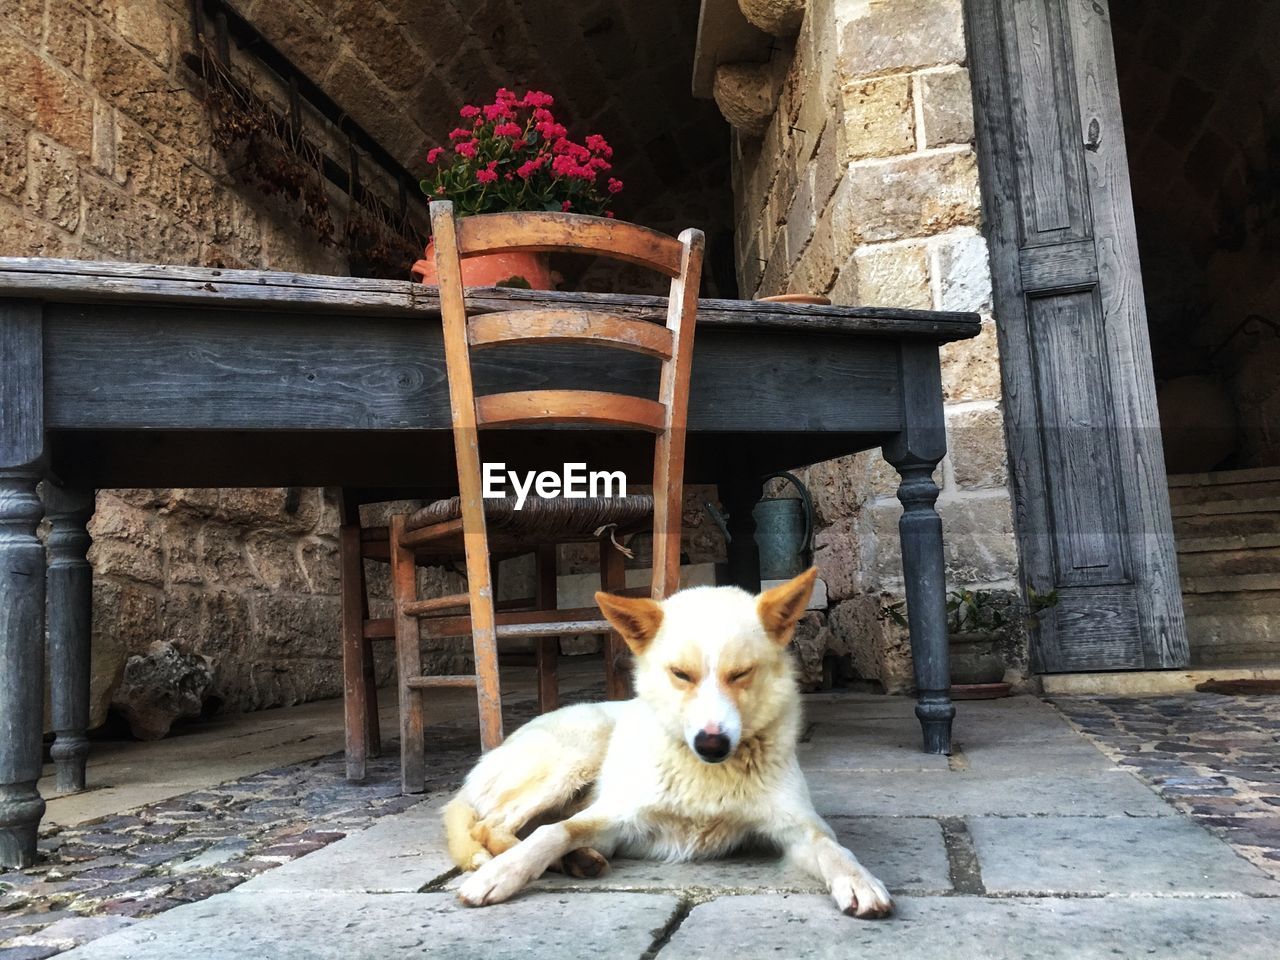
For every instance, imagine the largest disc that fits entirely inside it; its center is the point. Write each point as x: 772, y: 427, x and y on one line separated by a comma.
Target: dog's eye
x: 681, y: 675
x: 740, y: 675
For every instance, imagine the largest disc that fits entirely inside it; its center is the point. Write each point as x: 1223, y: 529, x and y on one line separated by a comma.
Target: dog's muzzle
x: 712, y: 747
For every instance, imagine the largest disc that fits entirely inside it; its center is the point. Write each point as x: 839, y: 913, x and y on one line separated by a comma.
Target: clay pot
x: 531, y: 271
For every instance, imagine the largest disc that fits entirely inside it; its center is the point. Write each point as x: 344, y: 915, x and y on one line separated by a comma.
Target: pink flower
x: 467, y: 149
x: 498, y: 111
x: 541, y: 115
x: 460, y: 133
x: 520, y: 144
x: 566, y: 206
x: 486, y: 176
x: 504, y: 95
x: 550, y: 130
x: 529, y: 168
x: 434, y: 154
x: 468, y: 112
x: 598, y: 144
x: 536, y: 98
x: 615, y: 186
x: 609, y: 214
x: 508, y: 129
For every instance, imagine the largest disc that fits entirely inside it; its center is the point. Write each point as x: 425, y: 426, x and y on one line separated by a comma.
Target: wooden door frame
x: 1099, y: 171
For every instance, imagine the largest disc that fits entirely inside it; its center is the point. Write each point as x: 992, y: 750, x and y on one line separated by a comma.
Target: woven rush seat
x: 549, y: 518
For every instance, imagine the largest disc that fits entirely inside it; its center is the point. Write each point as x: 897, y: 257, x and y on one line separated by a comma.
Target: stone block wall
x: 864, y: 187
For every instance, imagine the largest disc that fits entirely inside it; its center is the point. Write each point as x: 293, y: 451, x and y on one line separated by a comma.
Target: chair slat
x: 455, y: 680
x: 569, y: 233
x: 570, y: 326
x: 570, y: 406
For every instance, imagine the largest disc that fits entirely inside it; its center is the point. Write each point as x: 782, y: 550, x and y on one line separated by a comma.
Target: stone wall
x: 105, y: 154
x: 864, y: 187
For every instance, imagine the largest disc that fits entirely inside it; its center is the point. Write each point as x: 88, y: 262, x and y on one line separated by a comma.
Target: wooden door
x: 1090, y: 496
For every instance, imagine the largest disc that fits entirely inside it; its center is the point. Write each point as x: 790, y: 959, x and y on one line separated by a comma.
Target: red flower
x: 468, y: 112
x: 566, y: 206
x: 467, y: 149
x: 609, y: 214
x: 615, y: 186
x: 598, y: 144
x: 505, y: 96
x: 498, y: 111
x: 536, y: 98
x: 508, y: 129
x: 599, y: 163
x: 529, y: 168
x: 541, y: 115
x: 460, y: 133
x: 520, y: 144
x: 550, y: 130
x: 434, y: 154
x: 486, y: 176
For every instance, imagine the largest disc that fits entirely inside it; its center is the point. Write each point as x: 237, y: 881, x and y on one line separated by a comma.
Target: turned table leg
x: 69, y: 611
x: 21, y: 667
x: 21, y: 579
x: 914, y: 453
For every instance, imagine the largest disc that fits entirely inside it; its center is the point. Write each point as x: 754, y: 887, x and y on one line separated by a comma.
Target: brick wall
x: 864, y: 187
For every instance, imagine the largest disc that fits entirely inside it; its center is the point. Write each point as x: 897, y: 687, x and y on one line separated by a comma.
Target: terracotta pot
x: 519, y: 269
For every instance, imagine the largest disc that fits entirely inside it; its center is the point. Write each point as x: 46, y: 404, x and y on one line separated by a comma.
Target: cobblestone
x: 1214, y: 757
x: 101, y: 875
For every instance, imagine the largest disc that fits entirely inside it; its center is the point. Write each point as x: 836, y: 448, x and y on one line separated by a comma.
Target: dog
x: 700, y: 763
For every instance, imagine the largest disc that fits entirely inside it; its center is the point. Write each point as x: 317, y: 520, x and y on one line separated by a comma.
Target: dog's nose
x: 712, y: 747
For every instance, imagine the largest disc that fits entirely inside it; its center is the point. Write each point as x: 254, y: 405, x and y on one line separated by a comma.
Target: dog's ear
x: 636, y: 618
x: 782, y: 606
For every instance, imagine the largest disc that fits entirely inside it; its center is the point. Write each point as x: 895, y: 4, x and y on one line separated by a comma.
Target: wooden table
x: 123, y: 375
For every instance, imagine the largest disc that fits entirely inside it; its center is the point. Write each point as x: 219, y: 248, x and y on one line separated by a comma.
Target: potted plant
x: 977, y: 622
x: 513, y: 154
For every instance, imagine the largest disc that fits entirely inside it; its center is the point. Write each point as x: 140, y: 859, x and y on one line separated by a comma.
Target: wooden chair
x: 482, y: 529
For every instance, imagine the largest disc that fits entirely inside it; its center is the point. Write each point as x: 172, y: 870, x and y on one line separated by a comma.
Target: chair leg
x: 548, y: 655
x: 355, y: 651
x: 413, y: 761
x: 613, y: 578
x: 484, y: 639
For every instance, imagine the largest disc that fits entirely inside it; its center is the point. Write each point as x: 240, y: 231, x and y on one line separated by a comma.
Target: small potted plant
x: 977, y: 622
x: 513, y: 154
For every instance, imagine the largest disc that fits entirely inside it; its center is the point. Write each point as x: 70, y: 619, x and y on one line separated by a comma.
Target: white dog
x: 700, y: 763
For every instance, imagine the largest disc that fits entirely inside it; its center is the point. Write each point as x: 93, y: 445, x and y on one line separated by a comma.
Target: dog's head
x: 712, y: 660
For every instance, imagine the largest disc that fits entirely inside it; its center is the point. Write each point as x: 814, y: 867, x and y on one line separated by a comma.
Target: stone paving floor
x: 1214, y: 757
x: 1029, y: 841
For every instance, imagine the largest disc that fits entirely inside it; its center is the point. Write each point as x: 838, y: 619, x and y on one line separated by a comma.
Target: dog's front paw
x: 861, y: 895
x: 492, y: 883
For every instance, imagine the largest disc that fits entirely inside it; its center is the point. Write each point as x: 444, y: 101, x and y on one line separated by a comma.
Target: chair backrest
x: 679, y: 259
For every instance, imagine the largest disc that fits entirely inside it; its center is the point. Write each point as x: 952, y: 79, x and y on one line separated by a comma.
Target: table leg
x: 69, y: 612
x: 739, y: 494
x: 915, y: 453
x: 22, y: 587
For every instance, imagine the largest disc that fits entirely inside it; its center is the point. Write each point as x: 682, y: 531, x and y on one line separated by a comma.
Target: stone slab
x: 907, y: 854
x: 832, y: 747
x: 970, y: 793
x: 321, y: 926
x: 1077, y: 755
x: 401, y: 853
x: 1111, y: 855
x: 972, y: 928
